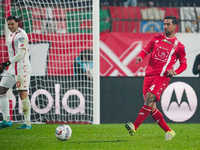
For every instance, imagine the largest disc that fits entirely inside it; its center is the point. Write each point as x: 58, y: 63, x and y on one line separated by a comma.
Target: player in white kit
x: 18, y: 73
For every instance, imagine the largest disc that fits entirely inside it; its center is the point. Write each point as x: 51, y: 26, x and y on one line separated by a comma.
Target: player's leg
x: 4, y: 103
x: 158, y: 117
x: 6, y: 82
x: 144, y: 112
x: 26, y: 106
x: 155, y: 113
x: 149, y: 101
x: 146, y: 109
x: 4, y: 108
x: 22, y: 85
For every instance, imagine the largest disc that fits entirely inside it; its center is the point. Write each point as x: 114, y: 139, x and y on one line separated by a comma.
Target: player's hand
x: 4, y: 65
x: 171, y: 73
x: 137, y: 59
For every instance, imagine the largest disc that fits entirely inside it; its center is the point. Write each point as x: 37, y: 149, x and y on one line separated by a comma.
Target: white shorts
x: 22, y: 81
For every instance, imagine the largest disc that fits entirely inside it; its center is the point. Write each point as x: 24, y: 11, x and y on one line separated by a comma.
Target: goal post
x: 96, y: 70
x: 64, y: 55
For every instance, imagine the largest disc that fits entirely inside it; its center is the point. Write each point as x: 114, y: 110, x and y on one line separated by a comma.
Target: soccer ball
x: 63, y: 132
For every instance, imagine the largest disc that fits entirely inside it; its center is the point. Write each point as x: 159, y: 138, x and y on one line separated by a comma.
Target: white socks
x: 5, y: 107
x: 26, y: 106
x: 26, y: 110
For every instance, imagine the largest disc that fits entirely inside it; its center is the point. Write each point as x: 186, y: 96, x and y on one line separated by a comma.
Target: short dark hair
x: 12, y: 18
x: 174, y: 19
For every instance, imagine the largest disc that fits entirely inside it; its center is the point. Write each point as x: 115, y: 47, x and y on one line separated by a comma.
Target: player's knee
x: 23, y: 94
x: 153, y: 109
x: 147, y: 103
x: 150, y: 99
x: 23, y: 97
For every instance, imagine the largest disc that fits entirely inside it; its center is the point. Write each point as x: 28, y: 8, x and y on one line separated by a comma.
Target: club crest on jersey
x: 164, y: 40
x: 21, y: 39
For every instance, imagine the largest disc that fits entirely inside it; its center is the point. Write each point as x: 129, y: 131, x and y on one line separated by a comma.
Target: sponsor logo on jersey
x: 164, y: 40
x: 179, y: 102
x: 21, y: 45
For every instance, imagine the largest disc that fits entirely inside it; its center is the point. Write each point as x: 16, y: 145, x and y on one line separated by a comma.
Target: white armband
x: 20, y: 54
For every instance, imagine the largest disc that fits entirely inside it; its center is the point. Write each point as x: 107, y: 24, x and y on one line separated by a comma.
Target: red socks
x: 144, y: 112
x: 158, y: 117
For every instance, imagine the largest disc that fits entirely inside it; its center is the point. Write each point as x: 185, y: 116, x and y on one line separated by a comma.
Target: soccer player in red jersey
x: 164, y: 50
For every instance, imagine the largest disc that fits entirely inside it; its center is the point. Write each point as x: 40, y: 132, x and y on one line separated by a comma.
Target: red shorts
x: 155, y: 85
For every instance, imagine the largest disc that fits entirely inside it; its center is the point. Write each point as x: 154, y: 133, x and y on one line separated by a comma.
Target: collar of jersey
x: 16, y: 31
x: 170, y: 38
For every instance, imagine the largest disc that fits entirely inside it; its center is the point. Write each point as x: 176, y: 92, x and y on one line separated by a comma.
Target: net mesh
x: 61, y: 56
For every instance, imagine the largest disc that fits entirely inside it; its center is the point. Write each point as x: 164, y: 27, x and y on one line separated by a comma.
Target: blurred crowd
x: 151, y: 3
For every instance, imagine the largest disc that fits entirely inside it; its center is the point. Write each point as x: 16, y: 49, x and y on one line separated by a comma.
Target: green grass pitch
x: 101, y: 137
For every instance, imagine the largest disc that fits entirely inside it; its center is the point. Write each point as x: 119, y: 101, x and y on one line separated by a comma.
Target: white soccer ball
x: 63, y: 132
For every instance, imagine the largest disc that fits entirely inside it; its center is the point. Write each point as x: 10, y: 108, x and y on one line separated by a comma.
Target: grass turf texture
x: 100, y: 137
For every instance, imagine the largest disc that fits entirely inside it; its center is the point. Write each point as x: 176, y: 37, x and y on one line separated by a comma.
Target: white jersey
x: 16, y: 41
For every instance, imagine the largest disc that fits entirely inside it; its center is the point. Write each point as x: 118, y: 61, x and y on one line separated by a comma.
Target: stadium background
x: 124, y: 31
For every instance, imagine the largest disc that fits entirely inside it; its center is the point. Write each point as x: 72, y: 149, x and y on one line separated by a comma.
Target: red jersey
x: 164, y: 54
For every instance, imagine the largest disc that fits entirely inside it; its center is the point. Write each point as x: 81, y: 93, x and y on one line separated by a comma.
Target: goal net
x: 62, y: 55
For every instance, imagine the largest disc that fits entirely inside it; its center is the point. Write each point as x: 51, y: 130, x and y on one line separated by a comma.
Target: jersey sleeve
x: 147, y: 48
x: 182, y: 54
x: 182, y: 59
x: 22, y: 42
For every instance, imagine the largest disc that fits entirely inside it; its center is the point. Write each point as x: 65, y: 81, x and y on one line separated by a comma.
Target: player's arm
x: 145, y: 51
x: 183, y: 63
x: 16, y: 58
x: 22, y: 45
x: 21, y: 53
x: 182, y: 59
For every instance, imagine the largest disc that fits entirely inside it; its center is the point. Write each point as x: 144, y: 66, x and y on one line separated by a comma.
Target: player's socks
x: 158, y: 117
x: 144, y: 112
x: 27, y: 111
x: 5, y: 107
